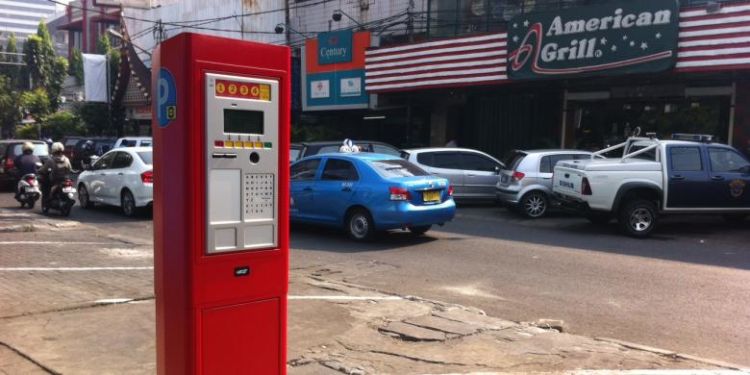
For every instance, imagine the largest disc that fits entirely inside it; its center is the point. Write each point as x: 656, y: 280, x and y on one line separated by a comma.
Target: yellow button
x: 229, y: 144
x: 248, y: 144
x: 258, y: 144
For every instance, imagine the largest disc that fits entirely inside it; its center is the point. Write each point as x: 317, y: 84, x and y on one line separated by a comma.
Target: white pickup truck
x: 656, y: 177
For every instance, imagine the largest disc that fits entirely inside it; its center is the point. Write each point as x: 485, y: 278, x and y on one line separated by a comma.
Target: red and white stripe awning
x: 715, y: 41
x: 452, y: 62
x: 707, y: 42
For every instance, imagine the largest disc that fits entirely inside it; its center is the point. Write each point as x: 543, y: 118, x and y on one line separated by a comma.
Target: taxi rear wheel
x: 359, y: 225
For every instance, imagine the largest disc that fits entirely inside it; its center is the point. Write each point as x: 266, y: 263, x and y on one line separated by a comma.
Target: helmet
x: 57, y: 147
x: 27, y: 146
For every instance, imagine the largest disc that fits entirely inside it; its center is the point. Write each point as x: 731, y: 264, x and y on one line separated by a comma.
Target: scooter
x: 62, y: 197
x: 27, y: 190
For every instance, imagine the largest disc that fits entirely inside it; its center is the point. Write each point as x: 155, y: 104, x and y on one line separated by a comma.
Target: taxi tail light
x: 585, y: 187
x: 147, y: 177
x: 518, y: 176
x: 399, y: 194
x: 450, y: 191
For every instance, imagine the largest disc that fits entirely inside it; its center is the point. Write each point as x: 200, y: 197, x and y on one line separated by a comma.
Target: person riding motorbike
x: 54, y: 171
x: 27, y: 162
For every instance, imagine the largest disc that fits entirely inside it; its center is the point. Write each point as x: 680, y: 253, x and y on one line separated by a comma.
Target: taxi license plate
x: 431, y: 196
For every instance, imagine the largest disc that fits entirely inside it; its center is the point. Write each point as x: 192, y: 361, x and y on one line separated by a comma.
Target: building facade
x: 564, y: 74
x: 21, y: 17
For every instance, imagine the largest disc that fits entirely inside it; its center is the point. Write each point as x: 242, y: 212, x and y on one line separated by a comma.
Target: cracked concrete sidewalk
x: 334, y: 328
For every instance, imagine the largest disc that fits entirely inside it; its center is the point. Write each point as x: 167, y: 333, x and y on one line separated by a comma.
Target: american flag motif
x: 715, y: 41
x: 444, y: 63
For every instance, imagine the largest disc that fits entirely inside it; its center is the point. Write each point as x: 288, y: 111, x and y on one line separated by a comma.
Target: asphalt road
x: 686, y: 289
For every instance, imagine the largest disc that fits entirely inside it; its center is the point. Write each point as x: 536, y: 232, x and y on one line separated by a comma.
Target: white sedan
x: 122, y: 177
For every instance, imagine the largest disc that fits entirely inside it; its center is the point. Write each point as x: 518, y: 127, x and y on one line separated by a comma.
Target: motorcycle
x: 27, y: 190
x: 62, y: 197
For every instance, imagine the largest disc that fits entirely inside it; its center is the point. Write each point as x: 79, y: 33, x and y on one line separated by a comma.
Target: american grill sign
x: 617, y: 38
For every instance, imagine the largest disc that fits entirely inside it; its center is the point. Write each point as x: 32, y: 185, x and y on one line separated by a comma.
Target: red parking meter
x: 221, y: 194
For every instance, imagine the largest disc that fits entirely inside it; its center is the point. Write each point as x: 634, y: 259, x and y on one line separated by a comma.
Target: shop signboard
x: 333, y: 71
x: 620, y: 37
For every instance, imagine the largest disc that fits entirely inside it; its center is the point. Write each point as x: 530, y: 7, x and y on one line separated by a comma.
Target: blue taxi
x: 365, y: 193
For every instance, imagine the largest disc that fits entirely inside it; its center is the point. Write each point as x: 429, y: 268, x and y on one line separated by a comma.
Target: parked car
x: 472, y: 173
x: 526, y: 182
x: 687, y: 175
x: 70, y: 143
x: 364, y: 193
x: 9, y: 150
x: 294, y: 150
x: 80, y: 156
x: 133, y: 142
x: 122, y: 177
x: 315, y: 148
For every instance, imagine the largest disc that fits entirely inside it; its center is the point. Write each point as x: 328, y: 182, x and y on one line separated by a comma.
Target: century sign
x: 617, y: 38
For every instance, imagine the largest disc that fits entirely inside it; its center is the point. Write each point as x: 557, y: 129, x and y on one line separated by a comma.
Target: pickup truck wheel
x: 638, y: 218
x: 534, y: 204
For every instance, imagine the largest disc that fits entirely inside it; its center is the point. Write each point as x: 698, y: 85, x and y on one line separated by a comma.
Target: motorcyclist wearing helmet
x: 54, y: 170
x: 26, y: 163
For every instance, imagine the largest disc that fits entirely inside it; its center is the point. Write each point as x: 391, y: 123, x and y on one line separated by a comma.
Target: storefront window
x: 598, y: 124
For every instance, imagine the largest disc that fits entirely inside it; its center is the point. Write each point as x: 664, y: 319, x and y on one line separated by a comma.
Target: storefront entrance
x: 593, y: 122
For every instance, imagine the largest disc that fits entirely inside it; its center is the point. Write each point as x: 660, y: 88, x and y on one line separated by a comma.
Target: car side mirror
x: 497, y: 170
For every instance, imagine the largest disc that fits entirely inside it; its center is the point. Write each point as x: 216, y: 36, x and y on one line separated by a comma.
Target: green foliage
x: 43, y: 68
x: 95, y: 118
x: 37, y: 103
x: 10, y: 114
x: 13, y: 72
x: 60, y: 124
x: 75, y: 66
x: 29, y: 131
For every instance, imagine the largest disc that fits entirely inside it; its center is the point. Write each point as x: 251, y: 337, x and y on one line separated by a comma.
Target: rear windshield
x: 40, y: 149
x: 146, y: 157
x: 513, y: 159
x: 397, y: 168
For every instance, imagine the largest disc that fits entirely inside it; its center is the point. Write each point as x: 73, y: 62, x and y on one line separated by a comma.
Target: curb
x: 672, y: 354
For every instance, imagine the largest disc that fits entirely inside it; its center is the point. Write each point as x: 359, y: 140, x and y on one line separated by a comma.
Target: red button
x: 218, y: 143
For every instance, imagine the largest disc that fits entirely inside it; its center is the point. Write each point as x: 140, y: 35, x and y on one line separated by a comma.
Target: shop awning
x: 474, y: 60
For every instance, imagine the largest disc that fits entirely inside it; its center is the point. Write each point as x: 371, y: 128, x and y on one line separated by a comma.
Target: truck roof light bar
x: 706, y: 138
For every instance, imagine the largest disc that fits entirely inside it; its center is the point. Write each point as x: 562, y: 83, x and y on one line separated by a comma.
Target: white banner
x: 95, y: 78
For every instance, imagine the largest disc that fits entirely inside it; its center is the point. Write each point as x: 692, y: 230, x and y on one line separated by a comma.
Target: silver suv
x: 472, y: 173
x: 526, y: 183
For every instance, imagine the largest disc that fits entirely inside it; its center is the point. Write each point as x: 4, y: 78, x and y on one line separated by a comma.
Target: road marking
x: 347, y: 298
x: 52, y: 243
x: 73, y: 269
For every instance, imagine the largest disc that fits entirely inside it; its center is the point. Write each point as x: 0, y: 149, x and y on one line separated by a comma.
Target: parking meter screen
x: 243, y: 121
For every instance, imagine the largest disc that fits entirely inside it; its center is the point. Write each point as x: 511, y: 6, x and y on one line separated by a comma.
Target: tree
x: 43, y: 68
x: 10, y: 114
x: 13, y: 72
x: 37, y: 103
x: 75, y: 66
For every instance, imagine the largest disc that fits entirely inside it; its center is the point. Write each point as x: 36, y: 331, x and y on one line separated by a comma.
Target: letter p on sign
x: 166, y: 100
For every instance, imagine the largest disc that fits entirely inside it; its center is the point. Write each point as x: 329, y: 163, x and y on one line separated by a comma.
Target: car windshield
x: 397, y: 168
x: 146, y: 156
x: 513, y: 159
x: 294, y: 154
x: 40, y: 149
